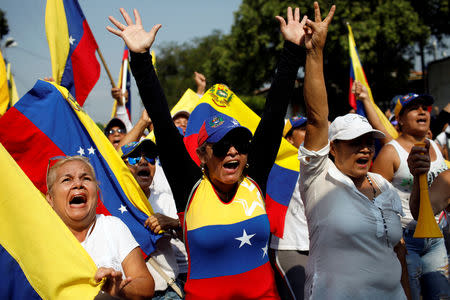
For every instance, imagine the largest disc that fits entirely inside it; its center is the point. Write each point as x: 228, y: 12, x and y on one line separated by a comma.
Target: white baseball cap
x: 350, y: 127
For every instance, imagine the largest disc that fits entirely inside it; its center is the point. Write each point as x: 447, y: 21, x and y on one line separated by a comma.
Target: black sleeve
x: 181, y: 171
x: 267, y: 138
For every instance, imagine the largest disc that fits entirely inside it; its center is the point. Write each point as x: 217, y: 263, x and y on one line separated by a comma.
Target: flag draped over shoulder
x: 284, y: 174
x: 72, y: 48
x: 4, y: 91
x: 357, y: 73
x: 39, y: 256
x: 48, y: 122
x: 124, y: 77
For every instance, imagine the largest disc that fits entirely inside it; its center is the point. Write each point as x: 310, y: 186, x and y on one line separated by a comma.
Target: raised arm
x: 267, y: 136
x: 439, y: 192
x: 361, y: 94
x: 180, y: 170
x: 315, y: 92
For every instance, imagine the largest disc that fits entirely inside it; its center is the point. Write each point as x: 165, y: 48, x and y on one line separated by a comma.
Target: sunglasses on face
x: 220, y: 149
x: 135, y: 160
x: 112, y: 131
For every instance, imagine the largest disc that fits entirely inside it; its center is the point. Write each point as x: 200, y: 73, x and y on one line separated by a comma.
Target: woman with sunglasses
x: 226, y: 227
x: 426, y: 258
x: 72, y: 193
x: 353, y: 215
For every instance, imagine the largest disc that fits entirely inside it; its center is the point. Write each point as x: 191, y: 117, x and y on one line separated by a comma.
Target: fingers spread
x: 137, y: 17
x: 282, y: 22
x: 318, y: 18
x: 330, y: 15
x: 297, y: 14
x: 126, y: 16
x: 303, y: 22
x: 289, y: 16
x: 155, y: 29
x: 117, y: 23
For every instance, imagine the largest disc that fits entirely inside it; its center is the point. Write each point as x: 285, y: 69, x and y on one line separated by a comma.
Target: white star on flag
x: 245, y: 239
x: 80, y: 151
x: 71, y: 40
x: 264, y: 249
x: 91, y: 150
x: 122, y: 209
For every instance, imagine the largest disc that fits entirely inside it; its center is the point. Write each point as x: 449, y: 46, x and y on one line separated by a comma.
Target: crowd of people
x: 351, y: 218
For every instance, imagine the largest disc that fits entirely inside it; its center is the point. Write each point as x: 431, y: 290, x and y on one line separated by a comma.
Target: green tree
x: 4, y: 29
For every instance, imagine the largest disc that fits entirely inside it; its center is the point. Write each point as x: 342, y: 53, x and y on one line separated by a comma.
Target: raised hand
x: 134, y: 35
x: 200, y: 81
x: 360, y: 91
x: 419, y: 159
x: 316, y: 32
x: 294, y: 30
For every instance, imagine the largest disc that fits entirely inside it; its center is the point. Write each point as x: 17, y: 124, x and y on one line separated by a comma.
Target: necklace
x: 371, y: 184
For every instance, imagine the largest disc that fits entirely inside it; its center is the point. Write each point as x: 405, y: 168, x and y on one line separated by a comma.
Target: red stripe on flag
x: 276, y: 213
x: 85, y: 66
x: 30, y: 148
x: 191, y: 144
x: 351, y: 96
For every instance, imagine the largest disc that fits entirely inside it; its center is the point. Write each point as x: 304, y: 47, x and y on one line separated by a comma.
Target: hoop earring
x: 247, y: 165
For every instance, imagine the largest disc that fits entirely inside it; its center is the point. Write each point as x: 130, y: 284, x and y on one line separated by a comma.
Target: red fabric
x: 85, y: 66
x: 276, y: 213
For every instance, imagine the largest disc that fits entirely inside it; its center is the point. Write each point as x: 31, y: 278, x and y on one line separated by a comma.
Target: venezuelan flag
x: 124, y: 77
x: 13, y: 95
x: 48, y: 122
x: 284, y: 173
x: 39, y: 256
x: 72, y: 48
x: 357, y: 73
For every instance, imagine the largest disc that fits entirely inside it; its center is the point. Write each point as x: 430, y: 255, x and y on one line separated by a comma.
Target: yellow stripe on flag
x: 57, y: 37
x: 4, y: 91
x: 52, y: 259
x: 361, y: 77
x: 13, y: 95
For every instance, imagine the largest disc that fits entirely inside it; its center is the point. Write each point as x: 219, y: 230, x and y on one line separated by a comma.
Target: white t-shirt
x: 108, y: 242
x: 295, y: 235
x: 351, y: 252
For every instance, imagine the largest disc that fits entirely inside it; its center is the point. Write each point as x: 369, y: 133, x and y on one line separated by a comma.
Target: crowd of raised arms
x: 350, y: 221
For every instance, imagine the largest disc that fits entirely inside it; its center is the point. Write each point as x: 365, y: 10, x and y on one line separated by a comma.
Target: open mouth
x: 231, y: 165
x: 78, y: 200
x: 116, y: 142
x: 362, y: 161
x: 422, y: 121
x: 144, y: 173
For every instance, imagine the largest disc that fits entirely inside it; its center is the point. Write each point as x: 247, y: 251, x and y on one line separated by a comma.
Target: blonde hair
x: 51, y: 172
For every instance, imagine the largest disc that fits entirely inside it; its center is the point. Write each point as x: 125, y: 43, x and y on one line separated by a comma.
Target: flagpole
x: 106, y: 67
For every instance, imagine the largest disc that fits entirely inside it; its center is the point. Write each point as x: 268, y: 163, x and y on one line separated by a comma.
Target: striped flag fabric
x: 13, y: 95
x: 357, y: 73
x: 4, y: 90
x: 39, y: 257
x: 48, y: 122
x: 72, y: 48
x: 284, y: 174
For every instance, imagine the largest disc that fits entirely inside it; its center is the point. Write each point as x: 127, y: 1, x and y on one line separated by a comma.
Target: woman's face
x: 73, y: 195
x: 225, y: 169
x: 415, y: 119
x: 354, y: 157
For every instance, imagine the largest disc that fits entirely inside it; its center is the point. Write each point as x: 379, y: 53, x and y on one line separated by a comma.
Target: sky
x: 181, y: 21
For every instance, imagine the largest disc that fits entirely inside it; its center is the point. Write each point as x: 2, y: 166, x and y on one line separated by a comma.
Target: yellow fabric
x: 129, y: 185
x: 52, y: 259
x: 57, y: 37
x: 207, y: 209
x: 13, y: 96
x: 4, y: 91
x: 361, y: 77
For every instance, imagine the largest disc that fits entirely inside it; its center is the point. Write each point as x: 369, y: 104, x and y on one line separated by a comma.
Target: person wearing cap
x: 140, y: 159
x: 180, y: 119
x: 353, y: 215
x: 115, y: 131
x: 427, y: 258
x: 226, y: 226
x: 290, y: 254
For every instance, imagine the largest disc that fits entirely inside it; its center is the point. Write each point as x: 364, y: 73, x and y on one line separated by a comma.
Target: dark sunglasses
x: 220, y: 149
x: 112, y: 131
x: 135, y: 160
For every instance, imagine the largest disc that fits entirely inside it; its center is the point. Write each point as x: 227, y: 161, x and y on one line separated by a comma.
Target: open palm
x: 293, y: 31
x: 134, y: 35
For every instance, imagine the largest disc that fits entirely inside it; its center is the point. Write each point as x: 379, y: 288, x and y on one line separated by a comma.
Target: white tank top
x: 403, y: 179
